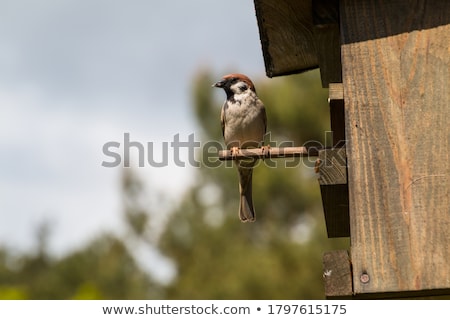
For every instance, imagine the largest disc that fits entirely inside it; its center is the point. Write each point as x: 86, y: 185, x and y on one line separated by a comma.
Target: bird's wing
x: 263, y: 111
x: 222, y: 117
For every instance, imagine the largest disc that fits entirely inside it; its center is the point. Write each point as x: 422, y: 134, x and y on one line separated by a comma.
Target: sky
x: 76, y: 74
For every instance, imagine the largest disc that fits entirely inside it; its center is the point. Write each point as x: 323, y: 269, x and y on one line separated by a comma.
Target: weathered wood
x: 396, y: 72
x: 287, y: 152
x: 328, y: 53
x: 335, y: 209
x: 337, y: 275
x: 337, y: 118
x: 334, y: 190
x: 327, y: 40
x: 286, y: 33
x: 333, y: 166
x: 325, y: 12
x: 336, y: 92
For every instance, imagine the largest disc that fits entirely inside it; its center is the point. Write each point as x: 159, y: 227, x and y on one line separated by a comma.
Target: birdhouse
x: 386, y: 182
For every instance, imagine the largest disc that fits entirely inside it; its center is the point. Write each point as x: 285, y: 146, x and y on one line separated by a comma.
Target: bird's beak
x: 219, y: 84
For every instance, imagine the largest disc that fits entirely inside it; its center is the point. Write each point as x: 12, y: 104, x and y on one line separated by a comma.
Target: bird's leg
x: 317, y: 165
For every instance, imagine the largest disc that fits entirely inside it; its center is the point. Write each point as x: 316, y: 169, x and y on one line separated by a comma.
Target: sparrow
x: 244, y: 125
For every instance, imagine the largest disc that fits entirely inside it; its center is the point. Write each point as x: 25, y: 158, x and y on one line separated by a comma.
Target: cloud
x: 76, y: 74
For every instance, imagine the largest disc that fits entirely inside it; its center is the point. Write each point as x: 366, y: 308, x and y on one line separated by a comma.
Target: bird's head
x: 235, y: 83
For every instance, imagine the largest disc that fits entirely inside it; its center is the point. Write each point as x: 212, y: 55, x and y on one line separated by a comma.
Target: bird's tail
x: 246, y: 210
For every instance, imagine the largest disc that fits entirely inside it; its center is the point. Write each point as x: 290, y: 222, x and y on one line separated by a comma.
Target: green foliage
x: 216, y: 256
x: 279, y: 256
x: 12, y: 293
x: 102, y: 270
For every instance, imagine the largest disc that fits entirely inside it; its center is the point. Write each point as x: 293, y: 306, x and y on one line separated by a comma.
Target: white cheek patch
x: 238, y: 86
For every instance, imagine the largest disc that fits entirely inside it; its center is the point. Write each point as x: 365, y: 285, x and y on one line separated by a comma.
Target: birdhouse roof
x: 288, y: 33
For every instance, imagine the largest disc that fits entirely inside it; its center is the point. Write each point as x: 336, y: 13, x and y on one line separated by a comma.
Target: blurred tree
x: 101, y: 270
x: 280, y: 255
x: 216, y: 256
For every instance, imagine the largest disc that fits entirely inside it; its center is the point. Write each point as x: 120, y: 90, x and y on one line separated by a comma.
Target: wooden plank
x: 334, y: 190
x: 337, y: 118
x: 337, y: 275
x: 336, y: 92
x: 325, y: 12
x: 396, y: 71
x: 327, y: 40
x: 333, y: 166
x: 286, y: 33
x: 335, y: 209
x: 328, y: 53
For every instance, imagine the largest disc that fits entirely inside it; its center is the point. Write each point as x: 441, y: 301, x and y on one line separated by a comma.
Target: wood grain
x: 396, y: 72
x: 337, y: 274
x: 327, y: 39
x: 333, y: 166
x: 286, y: 33
x: 337, y: 117
x: 334, y: 191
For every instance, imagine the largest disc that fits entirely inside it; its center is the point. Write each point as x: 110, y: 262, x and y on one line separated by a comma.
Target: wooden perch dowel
x: 286, y: 152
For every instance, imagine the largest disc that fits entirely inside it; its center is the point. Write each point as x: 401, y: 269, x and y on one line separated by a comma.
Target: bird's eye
x: 243, y: 87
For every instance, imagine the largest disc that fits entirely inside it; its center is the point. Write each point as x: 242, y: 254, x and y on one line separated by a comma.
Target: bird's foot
x: 234, y: 151
x: 265, y: 151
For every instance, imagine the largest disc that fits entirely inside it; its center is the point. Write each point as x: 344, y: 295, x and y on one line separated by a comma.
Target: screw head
x: 364, y: 277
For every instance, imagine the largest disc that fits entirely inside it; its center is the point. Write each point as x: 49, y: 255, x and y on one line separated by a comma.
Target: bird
x: 244, y: 124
